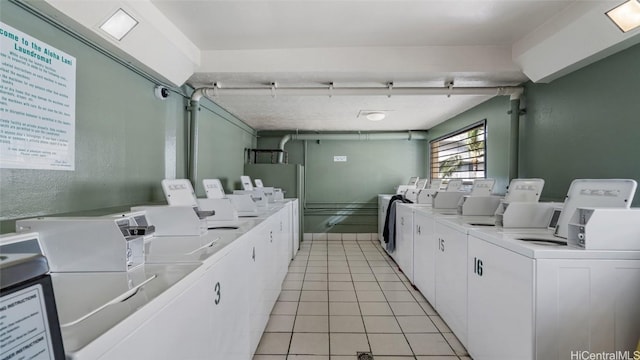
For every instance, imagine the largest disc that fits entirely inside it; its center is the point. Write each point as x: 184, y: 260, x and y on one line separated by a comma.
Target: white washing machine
x: 533, y: 296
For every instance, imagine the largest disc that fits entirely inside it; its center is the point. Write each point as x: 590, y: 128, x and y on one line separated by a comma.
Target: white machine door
x: 451, y: 279
x: 246, y: 183
x: 179, y: 192
x: 424, y: 256
x: 213, y: 188
x: 500, y: 308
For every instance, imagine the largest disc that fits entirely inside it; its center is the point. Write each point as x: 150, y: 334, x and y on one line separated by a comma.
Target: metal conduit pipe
x: 364, y: 91
x: 514, y: 138
x: 513, y: 91
x: 194, y: 108
x: 406, y: 135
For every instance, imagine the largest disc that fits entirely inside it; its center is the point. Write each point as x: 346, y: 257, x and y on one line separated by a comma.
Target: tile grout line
x: 368, y: 244
x: 328, y: 306
x: 395, y: 316
x: 295, y: 316
x: 366, y: 333
x: 405, y: 336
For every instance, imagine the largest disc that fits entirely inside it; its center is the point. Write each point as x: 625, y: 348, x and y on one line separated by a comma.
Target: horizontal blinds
x: 460, y: 155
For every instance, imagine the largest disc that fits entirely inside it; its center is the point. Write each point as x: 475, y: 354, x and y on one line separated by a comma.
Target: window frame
x: 480, y: 124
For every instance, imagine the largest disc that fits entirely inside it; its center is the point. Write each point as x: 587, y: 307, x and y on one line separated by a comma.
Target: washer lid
x: 179, y: 192
x: 595, y: 193
x: 524, y: 190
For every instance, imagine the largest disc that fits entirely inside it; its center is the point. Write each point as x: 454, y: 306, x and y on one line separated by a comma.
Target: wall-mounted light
x: 119, y: 24
x: 626, y: 16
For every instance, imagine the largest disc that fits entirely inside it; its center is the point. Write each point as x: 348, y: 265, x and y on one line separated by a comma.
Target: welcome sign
x: 37, y: 103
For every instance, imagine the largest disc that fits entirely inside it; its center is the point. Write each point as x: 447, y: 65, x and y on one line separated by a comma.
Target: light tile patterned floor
x: 346, y: 296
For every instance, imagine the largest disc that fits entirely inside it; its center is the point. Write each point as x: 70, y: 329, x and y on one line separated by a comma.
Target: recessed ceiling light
x: 119, y: 24
x: 626, y: 15
x: 373, y: 115
x: 376, y: 116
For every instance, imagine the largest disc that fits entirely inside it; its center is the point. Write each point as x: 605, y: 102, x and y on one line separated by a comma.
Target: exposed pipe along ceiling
x: 275, y: 90
x: 409, y: 135
x: 441, y: 48
x: 514, y: 92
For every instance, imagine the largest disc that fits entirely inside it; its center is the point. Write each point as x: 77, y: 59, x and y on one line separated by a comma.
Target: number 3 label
x: 217, y: 290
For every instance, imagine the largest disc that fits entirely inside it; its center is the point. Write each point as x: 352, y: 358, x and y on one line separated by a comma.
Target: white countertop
x: 91, y: 304
x: 508, y: 239
x: 465, y: 224
x: 428, y: 210
x: 102, y: 308
x: 191, y: 249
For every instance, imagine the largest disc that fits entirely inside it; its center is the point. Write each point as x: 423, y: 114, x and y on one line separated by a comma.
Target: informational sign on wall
x: 37, y: 103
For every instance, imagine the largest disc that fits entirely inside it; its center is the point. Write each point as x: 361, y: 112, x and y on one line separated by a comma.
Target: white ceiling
x: 353, y: 43
x: 269, y: 24
x: 410, y: 43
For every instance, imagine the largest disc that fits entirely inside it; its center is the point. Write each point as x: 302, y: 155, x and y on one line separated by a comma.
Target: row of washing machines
x: 193, y: 279
x: 515, y: 278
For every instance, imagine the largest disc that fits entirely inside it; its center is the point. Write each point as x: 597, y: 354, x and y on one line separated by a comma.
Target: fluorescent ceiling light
x: 119, y: 24
x: 626, y: 16
x: 376, y: 116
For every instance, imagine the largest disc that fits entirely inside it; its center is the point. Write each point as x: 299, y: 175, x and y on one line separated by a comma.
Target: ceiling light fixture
x: 626, y: 16
x: 119, y: 24
x: 376, y: 116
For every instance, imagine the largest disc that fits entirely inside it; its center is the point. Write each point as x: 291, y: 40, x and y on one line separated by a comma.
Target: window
x: 460, y: 155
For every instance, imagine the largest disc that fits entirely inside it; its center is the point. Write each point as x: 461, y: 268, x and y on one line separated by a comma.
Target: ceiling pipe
x: 514, y: 138
x: 405, y: 135
x: 512, y: 91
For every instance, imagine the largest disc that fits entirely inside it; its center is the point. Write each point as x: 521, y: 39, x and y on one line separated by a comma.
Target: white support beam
x: 155, y: 45
x: 578, y: 36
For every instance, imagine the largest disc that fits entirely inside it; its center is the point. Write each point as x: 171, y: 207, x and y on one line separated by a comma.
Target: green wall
x: 222, y: 143
x: 346, y: 193
x: 584, y: 125
x: 342, y: 196
x: 127, y: 141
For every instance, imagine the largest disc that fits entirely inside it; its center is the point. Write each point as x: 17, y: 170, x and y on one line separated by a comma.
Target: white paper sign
x: 37, y: 103
x: 340, y: 158
x: 24, y: 326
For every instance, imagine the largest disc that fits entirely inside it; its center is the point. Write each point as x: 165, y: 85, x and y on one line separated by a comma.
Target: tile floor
x: 344, y: 296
